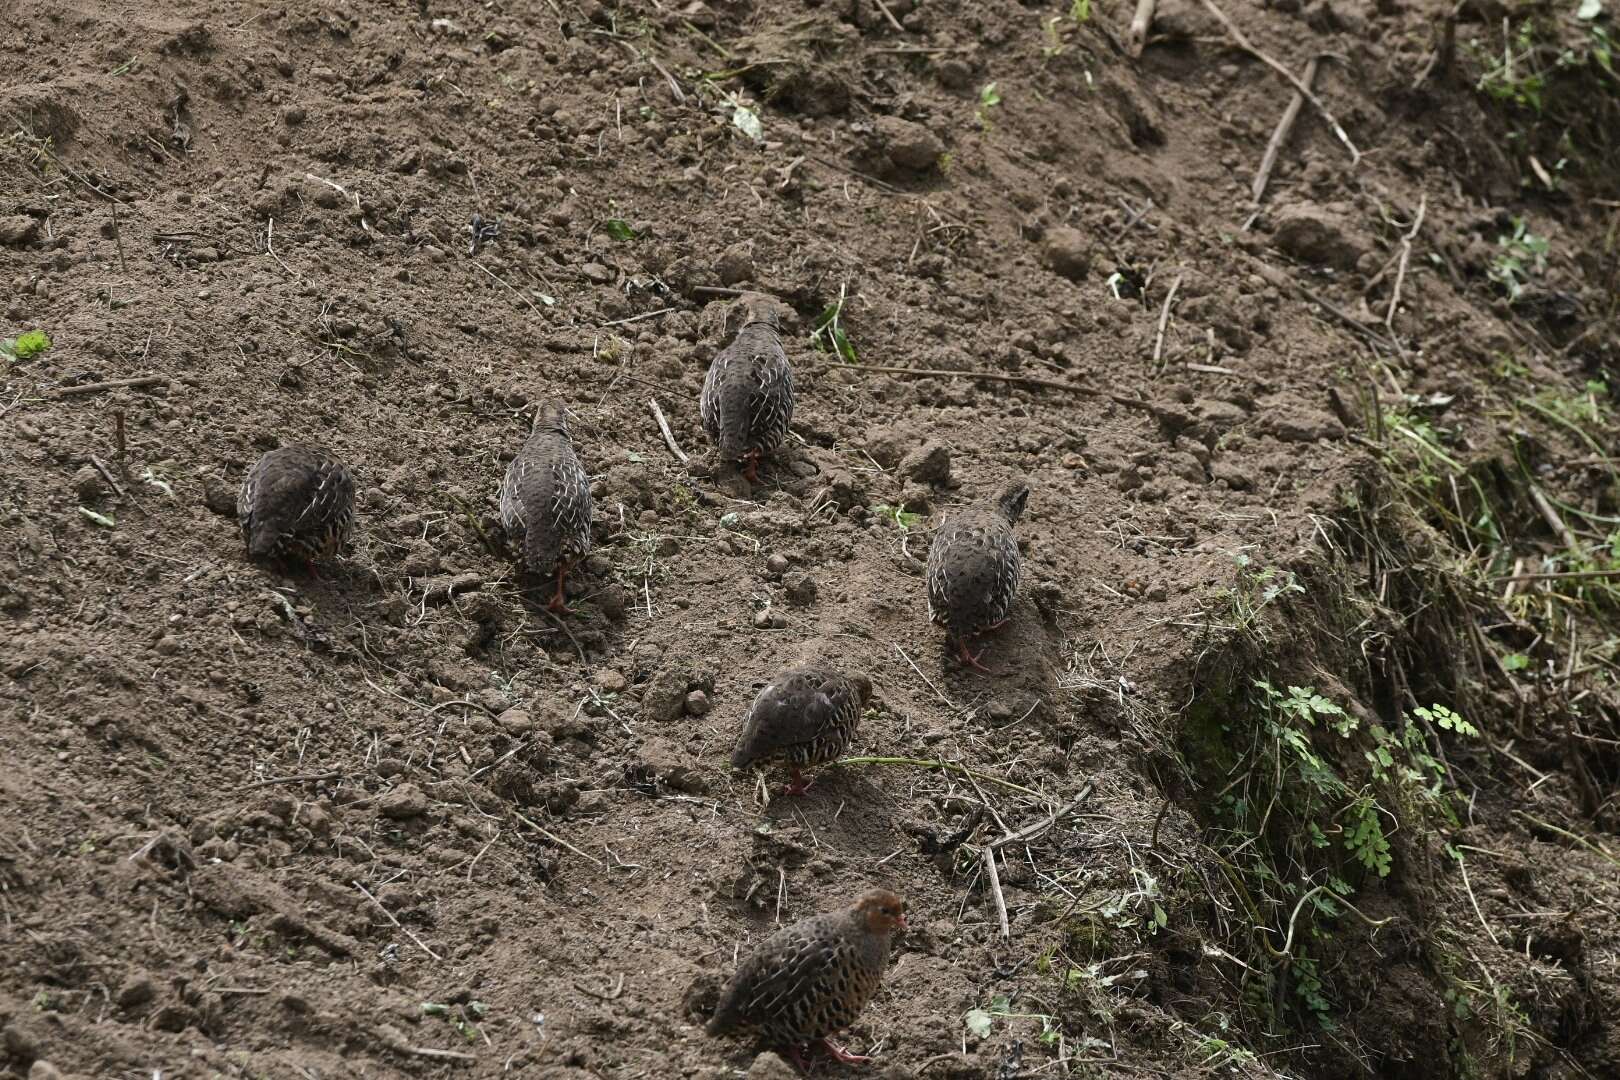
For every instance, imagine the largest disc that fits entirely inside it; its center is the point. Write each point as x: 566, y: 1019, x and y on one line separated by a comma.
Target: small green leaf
x: 100, y: 519
x: 989, y: 95
x: 31, y: 343
x: 978, y: 1022
x: 430, y: 1008
x: 1515, y: 662
x: 619, y: 229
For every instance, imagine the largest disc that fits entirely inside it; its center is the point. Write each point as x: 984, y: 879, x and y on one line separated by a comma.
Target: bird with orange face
x: 813, y: 978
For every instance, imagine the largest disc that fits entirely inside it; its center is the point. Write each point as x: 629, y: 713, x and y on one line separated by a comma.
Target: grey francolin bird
x: 810, y: 979
x: 804, y: 716
x: 546, y: 500
x: 296, y: 502
x: 747, y: 400
x: 973, y: 568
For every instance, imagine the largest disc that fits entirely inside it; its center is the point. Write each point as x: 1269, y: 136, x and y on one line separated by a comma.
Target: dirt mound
x: 1298, y: 755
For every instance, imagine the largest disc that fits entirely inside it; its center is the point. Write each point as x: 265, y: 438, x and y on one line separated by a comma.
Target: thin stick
x: 270, y: 246
x: 1164, y: 319
x: 989, y: 855
x: 1581, y: 840
x: 119, y: 240
x: 438, y: 1055
x: 301, y: 778
x: 948, y: 766
x: 1406, y: 255
x: 559, y: 841
x: 1141, y: 23
x: 1029, y: 832
x: 1562, y: 575
x: 1285, y: 127
x: 390, y: 916
x: 515, y: 293
x: 637, y: 318
x: 889, y: 15
x: 1551, y: 516
x: 108, y: 476
x: 716, y: 290
x: 949, y: 704
x: 112, y: 384
x: 1309, y: 95
x: 663, y: 426
x: 1478, y: 914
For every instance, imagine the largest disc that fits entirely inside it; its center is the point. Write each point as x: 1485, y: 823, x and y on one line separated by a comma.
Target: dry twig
x: 1285, y: 126
x: 663, y: 427
x: 1141, y: 23
x: 112, y: 384
x: 1406, y: 255
x: 1309, y: 94
x: 390, y: 917
x: 1164, y: 320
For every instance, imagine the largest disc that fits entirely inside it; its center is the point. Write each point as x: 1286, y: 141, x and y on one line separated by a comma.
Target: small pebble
x: 697, y: 703
x: 776, y: 565
x: 610, y: 681
x: 88, y: 484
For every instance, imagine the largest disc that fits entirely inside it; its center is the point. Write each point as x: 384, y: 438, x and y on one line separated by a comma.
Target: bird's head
x: 881, y: 912
x: 1011, y: 498
x: 552, y: 415
x: 863, y: 686
x: 760, y: 308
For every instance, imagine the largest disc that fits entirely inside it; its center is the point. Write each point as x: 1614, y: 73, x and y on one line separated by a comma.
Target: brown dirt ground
x: 558, y: 855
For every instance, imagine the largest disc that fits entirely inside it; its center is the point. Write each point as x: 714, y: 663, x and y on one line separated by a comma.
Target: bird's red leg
x: 970, y: 659
x: 751, y: 466
x: 841, y: 1054
x: 559, y: 602
x: 800, y: 785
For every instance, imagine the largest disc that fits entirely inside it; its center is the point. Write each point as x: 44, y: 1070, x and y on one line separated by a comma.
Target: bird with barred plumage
x: 804, y: 716
x: 973, y: 568
x: 296, y: 502
x: 546, y: 500
x: 811, y: 979
x: 747, y: 398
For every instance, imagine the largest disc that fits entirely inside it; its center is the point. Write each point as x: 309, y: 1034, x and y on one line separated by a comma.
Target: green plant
x: 989, y: 98
x: 1515, y: 77
x: 461, y: 1018
x: 1080, y: 11
x: 979, y: 1021
x: 903, y: 519
x: 828, y: 335
x: 619, y: 229
x: 1521, y: 254
x: 24, y: 345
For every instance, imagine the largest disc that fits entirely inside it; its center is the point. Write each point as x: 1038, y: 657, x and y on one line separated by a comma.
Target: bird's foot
x: 800, y: 784
x: 971, y: 659
x: 841, y: 1054
x: 751, y: 466
x: 559, y: 599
